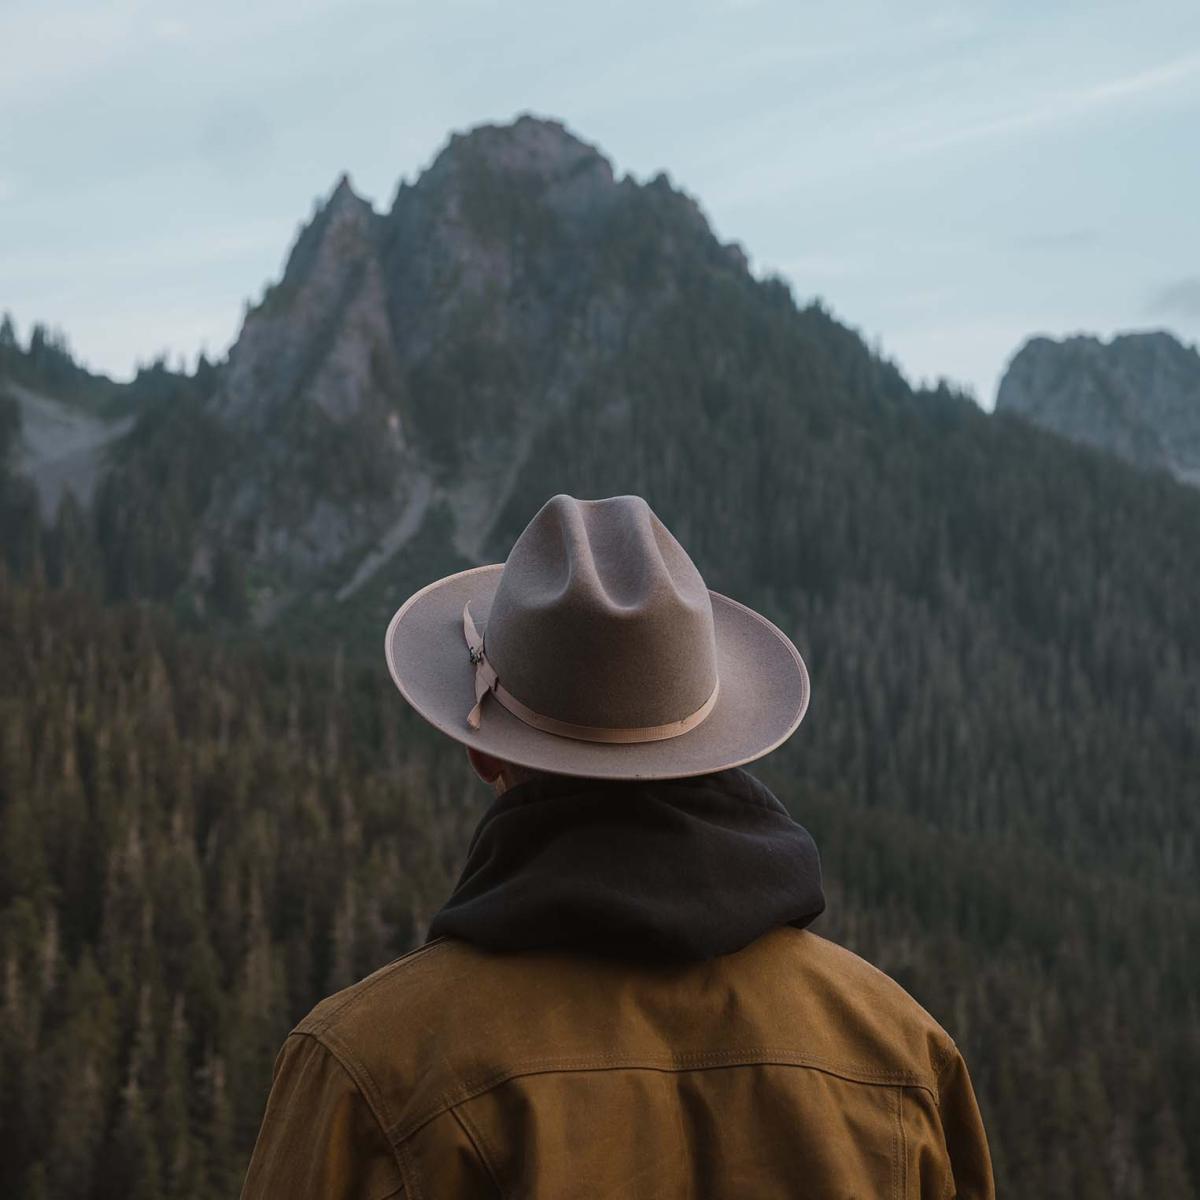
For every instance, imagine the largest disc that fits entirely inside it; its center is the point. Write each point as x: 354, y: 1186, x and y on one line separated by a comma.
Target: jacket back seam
x: 479, y: 1142
x: 402, y: 1130
x: 408, y: 1172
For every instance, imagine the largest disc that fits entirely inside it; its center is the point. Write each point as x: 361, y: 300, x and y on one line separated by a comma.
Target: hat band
x: 487, y: 681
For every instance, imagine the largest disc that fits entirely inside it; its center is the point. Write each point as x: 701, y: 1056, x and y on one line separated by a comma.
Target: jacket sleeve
x: 966, y: 1142
x: 320, y: 1139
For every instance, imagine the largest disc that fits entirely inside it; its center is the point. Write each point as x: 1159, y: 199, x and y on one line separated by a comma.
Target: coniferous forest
x: 206, y: 827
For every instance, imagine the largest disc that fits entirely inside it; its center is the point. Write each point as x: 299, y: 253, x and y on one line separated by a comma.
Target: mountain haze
x: 1137, y: 396
x: 1000, y: 764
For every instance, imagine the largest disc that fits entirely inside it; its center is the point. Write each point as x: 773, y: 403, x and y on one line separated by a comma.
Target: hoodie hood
x: 669, y: 870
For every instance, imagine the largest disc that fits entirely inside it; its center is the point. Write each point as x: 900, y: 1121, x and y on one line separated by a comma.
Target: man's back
x: 618, y: 998
x: 789, y: 1068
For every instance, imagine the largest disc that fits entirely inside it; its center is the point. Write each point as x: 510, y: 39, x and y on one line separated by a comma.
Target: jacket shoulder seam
x: 403, y: 1129
x: 365, y: 1086
x: 358, y: 1072
x: 318, y: 1024
x: 951, y: 1055
x: 916, y: 1006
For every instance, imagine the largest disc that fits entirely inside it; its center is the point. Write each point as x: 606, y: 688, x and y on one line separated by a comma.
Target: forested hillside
x: 198, y: 844
x: 204, y: 832
x: 194, y: 846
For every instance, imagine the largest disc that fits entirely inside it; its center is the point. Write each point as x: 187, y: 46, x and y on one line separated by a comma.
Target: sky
x: 949, y: 178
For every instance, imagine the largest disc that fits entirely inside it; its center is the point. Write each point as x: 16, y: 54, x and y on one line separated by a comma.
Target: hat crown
x: 601, y: 618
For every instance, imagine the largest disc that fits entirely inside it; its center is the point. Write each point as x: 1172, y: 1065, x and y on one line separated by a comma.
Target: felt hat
x: 596, y: 650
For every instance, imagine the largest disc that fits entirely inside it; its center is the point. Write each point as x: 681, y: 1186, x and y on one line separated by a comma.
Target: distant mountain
x: 398, y: 374
x: 1137, y: 396
x: 403, y: 362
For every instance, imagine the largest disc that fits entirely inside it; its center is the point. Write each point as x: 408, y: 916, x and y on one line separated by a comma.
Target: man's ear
x: 488, y: 769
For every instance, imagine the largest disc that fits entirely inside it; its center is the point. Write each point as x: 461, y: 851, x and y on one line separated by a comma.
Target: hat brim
x: 763, y: 695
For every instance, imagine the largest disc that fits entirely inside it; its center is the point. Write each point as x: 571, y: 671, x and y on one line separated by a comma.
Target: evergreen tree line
x: 195, y: 845
x: 199, y: 842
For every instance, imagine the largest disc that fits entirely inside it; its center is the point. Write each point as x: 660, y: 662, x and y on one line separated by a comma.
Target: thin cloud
x: 1056, y: 108
x: 1180, y: 298
x: 1155, y: 79
x: 902, y: 139
x: 62, y: 49
x: 1059, y: 239
x: 41, y: 49
x: 166, y: 251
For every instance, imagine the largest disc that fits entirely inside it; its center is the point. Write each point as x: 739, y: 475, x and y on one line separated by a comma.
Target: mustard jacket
x: 790, y: 1068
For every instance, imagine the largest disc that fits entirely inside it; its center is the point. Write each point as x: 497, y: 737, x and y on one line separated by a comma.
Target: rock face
x: 405, y: 363
x: 1137, y: 396
x: 314, y: 369
x: 412, y: 376
x: 62, y: 448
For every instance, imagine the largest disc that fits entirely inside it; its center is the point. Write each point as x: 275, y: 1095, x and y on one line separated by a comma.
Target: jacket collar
x: 669, y: 870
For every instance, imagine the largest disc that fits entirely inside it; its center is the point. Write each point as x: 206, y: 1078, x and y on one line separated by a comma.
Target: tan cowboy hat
x: 596, y: 650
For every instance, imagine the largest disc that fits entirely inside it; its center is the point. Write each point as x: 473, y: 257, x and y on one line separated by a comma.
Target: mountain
x: 1000, y: 762
x: 386, y: 393
x: 396, y: 377
x: 1137, y: 396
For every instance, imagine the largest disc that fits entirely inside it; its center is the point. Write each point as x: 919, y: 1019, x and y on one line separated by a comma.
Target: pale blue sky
x: 949, y: 177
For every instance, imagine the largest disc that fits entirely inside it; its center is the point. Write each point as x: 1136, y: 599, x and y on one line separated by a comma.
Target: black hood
x: 671, y: 870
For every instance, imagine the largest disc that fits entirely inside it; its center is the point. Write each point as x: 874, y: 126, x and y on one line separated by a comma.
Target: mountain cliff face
x: 1137, y: 396
x: 402, y: 368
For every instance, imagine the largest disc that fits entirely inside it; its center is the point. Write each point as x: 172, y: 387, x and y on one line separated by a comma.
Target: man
x: 620, y: 998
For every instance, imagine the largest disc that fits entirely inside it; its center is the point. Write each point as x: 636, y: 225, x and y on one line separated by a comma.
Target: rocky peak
x: 1137, y: 396
x: 334, y: 255
x: 540, y: 157
x: 345, y: 225
x: 529, y: 146
x: 343, y: 191
x: 405, y: 364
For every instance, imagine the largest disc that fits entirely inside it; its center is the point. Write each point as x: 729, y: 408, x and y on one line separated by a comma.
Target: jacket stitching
x: 902, y: 1158
x: 374, y: 1104
x: 320, y: 1024
x: 408, y: 1170
x: 687, y: 1062
x: 952, y: 1054
x: 940, y: 1069
x: 475, y: 1135
x: 895, y: 1171
x: 361, y: 1075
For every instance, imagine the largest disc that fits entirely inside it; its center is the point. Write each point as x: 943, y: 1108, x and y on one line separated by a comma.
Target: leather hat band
x: 487, y: 681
